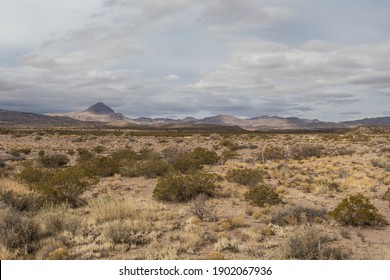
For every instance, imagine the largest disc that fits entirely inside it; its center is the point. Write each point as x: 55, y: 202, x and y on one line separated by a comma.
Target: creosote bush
x: 101, y: 166
x: 246, y: 176
x: 52, y: 161
x: 261, y: 195
x: 31, y: 176
x: 176, y: 187
x: 65, y: 185
x: 357, y: 210
x: 194, y: 160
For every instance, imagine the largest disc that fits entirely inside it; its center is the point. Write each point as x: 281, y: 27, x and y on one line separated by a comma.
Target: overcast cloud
x: 328, y: 60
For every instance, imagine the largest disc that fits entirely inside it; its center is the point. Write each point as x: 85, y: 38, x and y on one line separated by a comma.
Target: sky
x: 314, y: 59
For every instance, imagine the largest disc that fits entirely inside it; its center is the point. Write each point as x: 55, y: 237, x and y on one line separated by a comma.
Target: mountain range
x: 101, y: 113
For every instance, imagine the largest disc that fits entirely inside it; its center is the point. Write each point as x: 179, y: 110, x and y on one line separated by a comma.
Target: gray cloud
x: 187, y: 57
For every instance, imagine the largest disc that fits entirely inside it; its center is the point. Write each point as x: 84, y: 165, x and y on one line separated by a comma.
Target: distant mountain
x: 98, y: 112
x: 14, y: 117
x: 261, y: 123
x: 100, y: 109
x: 370, y: 121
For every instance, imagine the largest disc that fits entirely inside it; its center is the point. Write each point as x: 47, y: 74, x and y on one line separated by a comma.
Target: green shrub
x: 31, y: 176
x: 176, y: 187
x: 205, y: 156
x: 194, y: 160
x: 2, y: 163
x: 152, y: 168
x: 357, y: 210
x: 52, y: 161
x: 65, y: 186
x: 101, y: 166
x: 261, y: 195
x: 229, y: 144
x: 246, y: 176
x: 125, y: 155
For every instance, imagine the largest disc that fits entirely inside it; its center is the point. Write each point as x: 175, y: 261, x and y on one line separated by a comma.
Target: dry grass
x: 123, y: 220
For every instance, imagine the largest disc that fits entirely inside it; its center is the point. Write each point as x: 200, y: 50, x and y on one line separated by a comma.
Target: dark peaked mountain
x: 100, y: 109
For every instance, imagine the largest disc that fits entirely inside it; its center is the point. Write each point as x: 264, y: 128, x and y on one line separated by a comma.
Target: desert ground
x: 126, y: 194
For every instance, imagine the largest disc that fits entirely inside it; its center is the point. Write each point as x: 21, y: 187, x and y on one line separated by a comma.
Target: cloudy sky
x: 328, y: 60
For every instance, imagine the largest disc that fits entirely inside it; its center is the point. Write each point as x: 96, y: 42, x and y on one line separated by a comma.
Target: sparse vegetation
x: 172, y: 194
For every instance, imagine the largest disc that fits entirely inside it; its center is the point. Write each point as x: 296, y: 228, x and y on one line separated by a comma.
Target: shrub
x: 17, y: 232
x: 204, y: 156
x: 152, y: 168
x: 31, y: 176
x: 229, y: 144
x: 293, y: 215
x: 311, y: 244
x: 198, y: 206
x: 261, y: 195
x: 84, y: 154
x: 121, y: 232
x: 185, y: 161
x: 272, y: 153
x: 357, y: 210
x: 65, y: 186
x: 17, y: 151
x: 305, y: 151
x: 246, y: 176
x: 101, y: 166
x: 17, y: 201
x: 176, y: 187
x: 2, y: 163
x: 52, y: 161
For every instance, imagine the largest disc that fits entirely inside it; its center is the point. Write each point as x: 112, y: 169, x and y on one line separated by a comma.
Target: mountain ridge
x: 101, y: 113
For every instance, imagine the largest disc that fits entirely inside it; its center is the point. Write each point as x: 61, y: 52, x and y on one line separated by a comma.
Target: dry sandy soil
x: 122, y: 219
